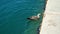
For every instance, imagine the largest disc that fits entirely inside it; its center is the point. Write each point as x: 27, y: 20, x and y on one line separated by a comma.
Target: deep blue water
x: 13, y: 14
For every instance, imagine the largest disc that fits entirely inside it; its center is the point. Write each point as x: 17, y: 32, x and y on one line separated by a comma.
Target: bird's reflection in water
x: 32, y: 22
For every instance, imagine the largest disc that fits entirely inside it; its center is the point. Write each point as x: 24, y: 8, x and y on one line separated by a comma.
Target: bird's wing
x: 34, y: 17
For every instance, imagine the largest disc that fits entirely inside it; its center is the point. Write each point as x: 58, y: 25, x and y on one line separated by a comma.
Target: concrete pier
x: 51, y: 21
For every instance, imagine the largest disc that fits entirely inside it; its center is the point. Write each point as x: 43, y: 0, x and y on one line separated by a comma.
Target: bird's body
x: 34, y: 17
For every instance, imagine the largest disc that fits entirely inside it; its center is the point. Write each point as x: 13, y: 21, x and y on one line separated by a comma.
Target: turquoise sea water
x: 13, y: 14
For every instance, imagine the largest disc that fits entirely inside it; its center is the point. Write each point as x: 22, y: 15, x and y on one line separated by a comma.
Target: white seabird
x: 34, y: 17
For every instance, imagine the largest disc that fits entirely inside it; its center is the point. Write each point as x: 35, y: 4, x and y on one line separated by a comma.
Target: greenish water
x: 13, y: 14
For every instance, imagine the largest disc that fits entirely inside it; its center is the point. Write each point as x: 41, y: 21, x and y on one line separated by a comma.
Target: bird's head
x: 38, y: 15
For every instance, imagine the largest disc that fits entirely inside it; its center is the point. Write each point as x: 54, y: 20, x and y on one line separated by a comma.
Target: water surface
x: 13, y: 14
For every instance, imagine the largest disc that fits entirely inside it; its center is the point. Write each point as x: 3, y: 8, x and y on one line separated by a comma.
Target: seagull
x: 34, y: 17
